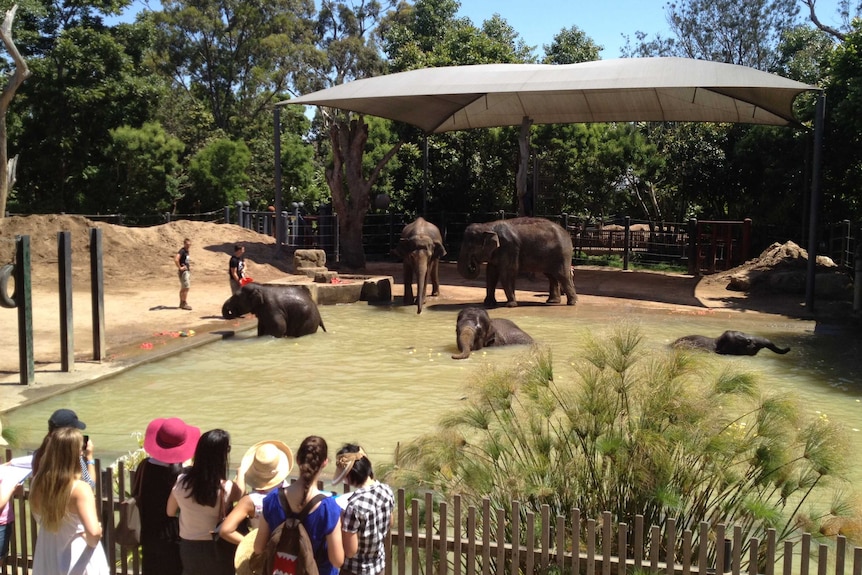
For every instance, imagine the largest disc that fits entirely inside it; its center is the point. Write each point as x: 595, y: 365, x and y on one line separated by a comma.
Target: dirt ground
x: 141, y: 288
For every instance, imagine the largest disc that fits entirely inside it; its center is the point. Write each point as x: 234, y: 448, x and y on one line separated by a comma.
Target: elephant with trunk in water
x: 420, y: 247
x: 474, y: 330
x: 519, y: 245
x: 729, y: 343
x: 281, y: 310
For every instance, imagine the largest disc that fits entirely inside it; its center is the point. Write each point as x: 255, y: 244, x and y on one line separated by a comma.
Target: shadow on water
x: 382, y: 375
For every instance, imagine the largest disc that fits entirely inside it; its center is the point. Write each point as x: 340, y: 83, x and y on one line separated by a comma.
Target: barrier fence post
x: 627, y: 242
x: 24, y: 303
x: 97, y: 286
x: 67, y: 325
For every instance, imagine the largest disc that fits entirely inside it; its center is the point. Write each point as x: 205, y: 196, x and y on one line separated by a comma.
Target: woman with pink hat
x: 168, y: 442
x: 263, y: 468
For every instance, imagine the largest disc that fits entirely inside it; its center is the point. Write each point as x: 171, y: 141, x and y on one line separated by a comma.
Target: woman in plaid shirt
x: 366, y: 518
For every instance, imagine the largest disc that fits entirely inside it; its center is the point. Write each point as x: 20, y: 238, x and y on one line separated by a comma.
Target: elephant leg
x: 569, y: 286
x: 434, y: 272
x: 408, y: 284
x: 492, y: 274
x: 553, y: 289
x: 508, y: 281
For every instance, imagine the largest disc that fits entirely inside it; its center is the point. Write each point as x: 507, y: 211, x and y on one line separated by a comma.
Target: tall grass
x: 663, y: 435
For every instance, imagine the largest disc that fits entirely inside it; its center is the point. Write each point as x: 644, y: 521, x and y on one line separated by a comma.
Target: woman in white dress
x: 65, y: 509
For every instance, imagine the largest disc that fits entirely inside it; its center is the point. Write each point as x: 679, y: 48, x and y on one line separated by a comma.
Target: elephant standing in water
x: 281, y: 310
x: 420, y: 247
x: 510, y: 247
x: 475, y: 329
x: 729, y: 343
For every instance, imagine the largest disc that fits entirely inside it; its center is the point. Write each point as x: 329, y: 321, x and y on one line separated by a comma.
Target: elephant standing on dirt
x: 729, y: 343
x: 475, y: 329
x: 281, y: 310
x: 420, y: 247
x: 519, y: 245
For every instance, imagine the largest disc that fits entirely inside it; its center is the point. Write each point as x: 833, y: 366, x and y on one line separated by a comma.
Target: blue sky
x: 537, y: 21
x: 605, y: 21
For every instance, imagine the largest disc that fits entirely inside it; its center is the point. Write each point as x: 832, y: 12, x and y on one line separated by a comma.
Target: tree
x: 21, y: 73
x: 217, y: 174
x: 571, y: 46
x: 236, y: 56
x: 87, y: 80
x: 742, y: 32
x: 145, y: 175
x: 846, y: 8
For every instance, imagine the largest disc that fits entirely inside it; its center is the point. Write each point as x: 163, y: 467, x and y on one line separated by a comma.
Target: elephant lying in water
x: 281, y: 310
x: 475, y: 330
x: 729, y: 343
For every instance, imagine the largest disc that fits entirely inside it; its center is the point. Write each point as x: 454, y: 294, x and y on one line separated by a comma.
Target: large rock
x: 308, y: 259
x: 782, y: 268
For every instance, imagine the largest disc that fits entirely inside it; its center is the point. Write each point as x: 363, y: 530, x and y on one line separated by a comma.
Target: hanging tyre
x: 5, y: 300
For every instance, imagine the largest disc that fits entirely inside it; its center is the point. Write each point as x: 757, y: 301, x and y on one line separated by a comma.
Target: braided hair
x: 311, y: 457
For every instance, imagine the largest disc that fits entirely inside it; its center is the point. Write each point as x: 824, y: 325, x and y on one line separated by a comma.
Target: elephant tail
x: 323, y: 327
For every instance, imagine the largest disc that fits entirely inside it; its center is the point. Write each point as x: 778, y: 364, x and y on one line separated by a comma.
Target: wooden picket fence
x: 431, y: 537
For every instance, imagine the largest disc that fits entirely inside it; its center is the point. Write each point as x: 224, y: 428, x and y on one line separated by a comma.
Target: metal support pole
x: 693, y: 264
x: 424, y: 174
x: 24, y: 303
x: 279, y: 201
x: 814, y: 215
x: 97, y: 290
x: 67, y: 324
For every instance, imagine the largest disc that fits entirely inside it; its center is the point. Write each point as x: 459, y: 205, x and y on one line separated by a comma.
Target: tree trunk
x: 351, y: 190
x: 22, y: 72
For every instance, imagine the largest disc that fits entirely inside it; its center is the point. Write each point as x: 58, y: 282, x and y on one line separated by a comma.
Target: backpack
x: 289, y: 550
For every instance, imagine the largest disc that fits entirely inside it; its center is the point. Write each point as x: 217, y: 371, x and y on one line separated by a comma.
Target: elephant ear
x: 256, y: 297
x: 490, y: 242
x: 403, y: 248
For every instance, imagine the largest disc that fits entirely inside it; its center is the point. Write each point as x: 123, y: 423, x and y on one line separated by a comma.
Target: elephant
x: 475, y: 330
x: 281, y: 310
x: 729, y: 343
x: 420, y: 247
x: 518, y: 245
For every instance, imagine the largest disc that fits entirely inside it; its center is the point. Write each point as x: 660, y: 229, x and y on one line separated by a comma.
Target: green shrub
x: 663, y: 435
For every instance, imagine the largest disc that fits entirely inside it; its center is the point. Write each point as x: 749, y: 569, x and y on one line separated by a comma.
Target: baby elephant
x: 729, y: 343
x: 281, y: 310
x: 476, y: 330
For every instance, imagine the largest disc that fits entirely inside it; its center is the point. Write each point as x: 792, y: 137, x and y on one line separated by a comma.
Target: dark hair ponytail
x: 311, y: 457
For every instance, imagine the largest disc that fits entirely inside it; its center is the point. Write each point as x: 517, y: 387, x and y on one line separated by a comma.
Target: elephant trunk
x: 468, y: 267
x: 421, y: 268
x: 771, y: 346
x: 227, y: 310
x: 465, y: 342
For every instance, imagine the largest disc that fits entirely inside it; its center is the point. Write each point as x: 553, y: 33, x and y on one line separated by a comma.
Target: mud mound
x: 782, y: 268
x: 130, y: 255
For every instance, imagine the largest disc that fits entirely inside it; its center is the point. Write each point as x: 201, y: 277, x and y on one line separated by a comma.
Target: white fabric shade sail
x: 627, y: 89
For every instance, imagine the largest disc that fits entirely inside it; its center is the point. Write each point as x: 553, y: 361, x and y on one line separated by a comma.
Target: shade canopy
x: 622, y: 90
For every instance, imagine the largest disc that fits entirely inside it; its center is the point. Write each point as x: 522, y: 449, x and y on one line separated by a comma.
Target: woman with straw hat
x: 263, y: 468
x: 168, y: 442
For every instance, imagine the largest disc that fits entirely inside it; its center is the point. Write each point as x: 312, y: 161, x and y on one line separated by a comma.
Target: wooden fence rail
x: 433, y: 537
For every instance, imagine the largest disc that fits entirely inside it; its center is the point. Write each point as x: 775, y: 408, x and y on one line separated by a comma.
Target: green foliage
x: 217, y: 174
x: 630, y: 431
x: 145, y: 173
x: 571, y: 46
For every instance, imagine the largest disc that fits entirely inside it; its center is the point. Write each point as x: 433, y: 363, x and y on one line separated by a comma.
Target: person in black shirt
x: 236, y: 268
x: 184, y: 272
